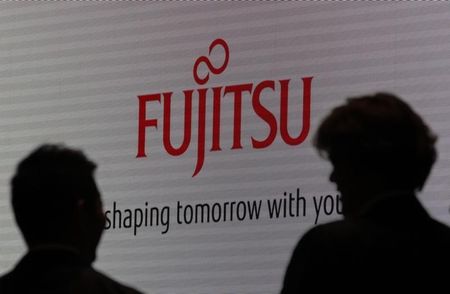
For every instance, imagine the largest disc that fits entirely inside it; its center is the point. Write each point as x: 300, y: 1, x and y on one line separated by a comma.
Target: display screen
x: 201, y: 118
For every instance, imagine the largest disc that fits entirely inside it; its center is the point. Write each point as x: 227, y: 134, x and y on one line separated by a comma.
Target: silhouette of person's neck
x: 74, y: 242
x: 368, y: 189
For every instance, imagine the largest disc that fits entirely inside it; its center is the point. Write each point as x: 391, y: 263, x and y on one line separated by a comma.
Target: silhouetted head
x: 56, y: 201
x: 376, y: 144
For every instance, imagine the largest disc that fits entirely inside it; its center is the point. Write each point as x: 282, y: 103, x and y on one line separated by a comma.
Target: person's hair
x: 382, y: 133
x: 46, y: 188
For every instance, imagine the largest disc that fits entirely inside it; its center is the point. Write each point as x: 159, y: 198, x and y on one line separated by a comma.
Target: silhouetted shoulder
x: 98, y: 282
x: 87, y: 281
x: 58, y: 271
x: 370, y: 253
x: 314, y: 258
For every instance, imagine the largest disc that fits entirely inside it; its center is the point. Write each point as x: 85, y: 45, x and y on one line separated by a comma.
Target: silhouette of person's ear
x: 81, y: 208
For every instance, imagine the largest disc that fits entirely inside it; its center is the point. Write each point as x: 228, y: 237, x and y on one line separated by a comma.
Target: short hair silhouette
x: 376, y: 143
x: 379, y: 131
x: 382, y: 153
x: 46, y: 188
x: 58, y: 208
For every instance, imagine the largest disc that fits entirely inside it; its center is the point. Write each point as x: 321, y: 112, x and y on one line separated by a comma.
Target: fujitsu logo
x: 216, y: 95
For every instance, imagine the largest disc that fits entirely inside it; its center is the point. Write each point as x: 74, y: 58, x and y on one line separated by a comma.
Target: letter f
x: 143, y: 122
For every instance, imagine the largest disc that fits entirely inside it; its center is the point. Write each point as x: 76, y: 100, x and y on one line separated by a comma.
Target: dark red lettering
x: 237, y: 90
x: 187, y: 123
x: 284, y: 96
x: 201, y: 130
x: 265, y: 114
x: 216, y: 119
x: 143, y: 122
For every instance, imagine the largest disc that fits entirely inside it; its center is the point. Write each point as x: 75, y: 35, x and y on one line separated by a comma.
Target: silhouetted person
x: 382, y: 153
x: 58, y: 209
